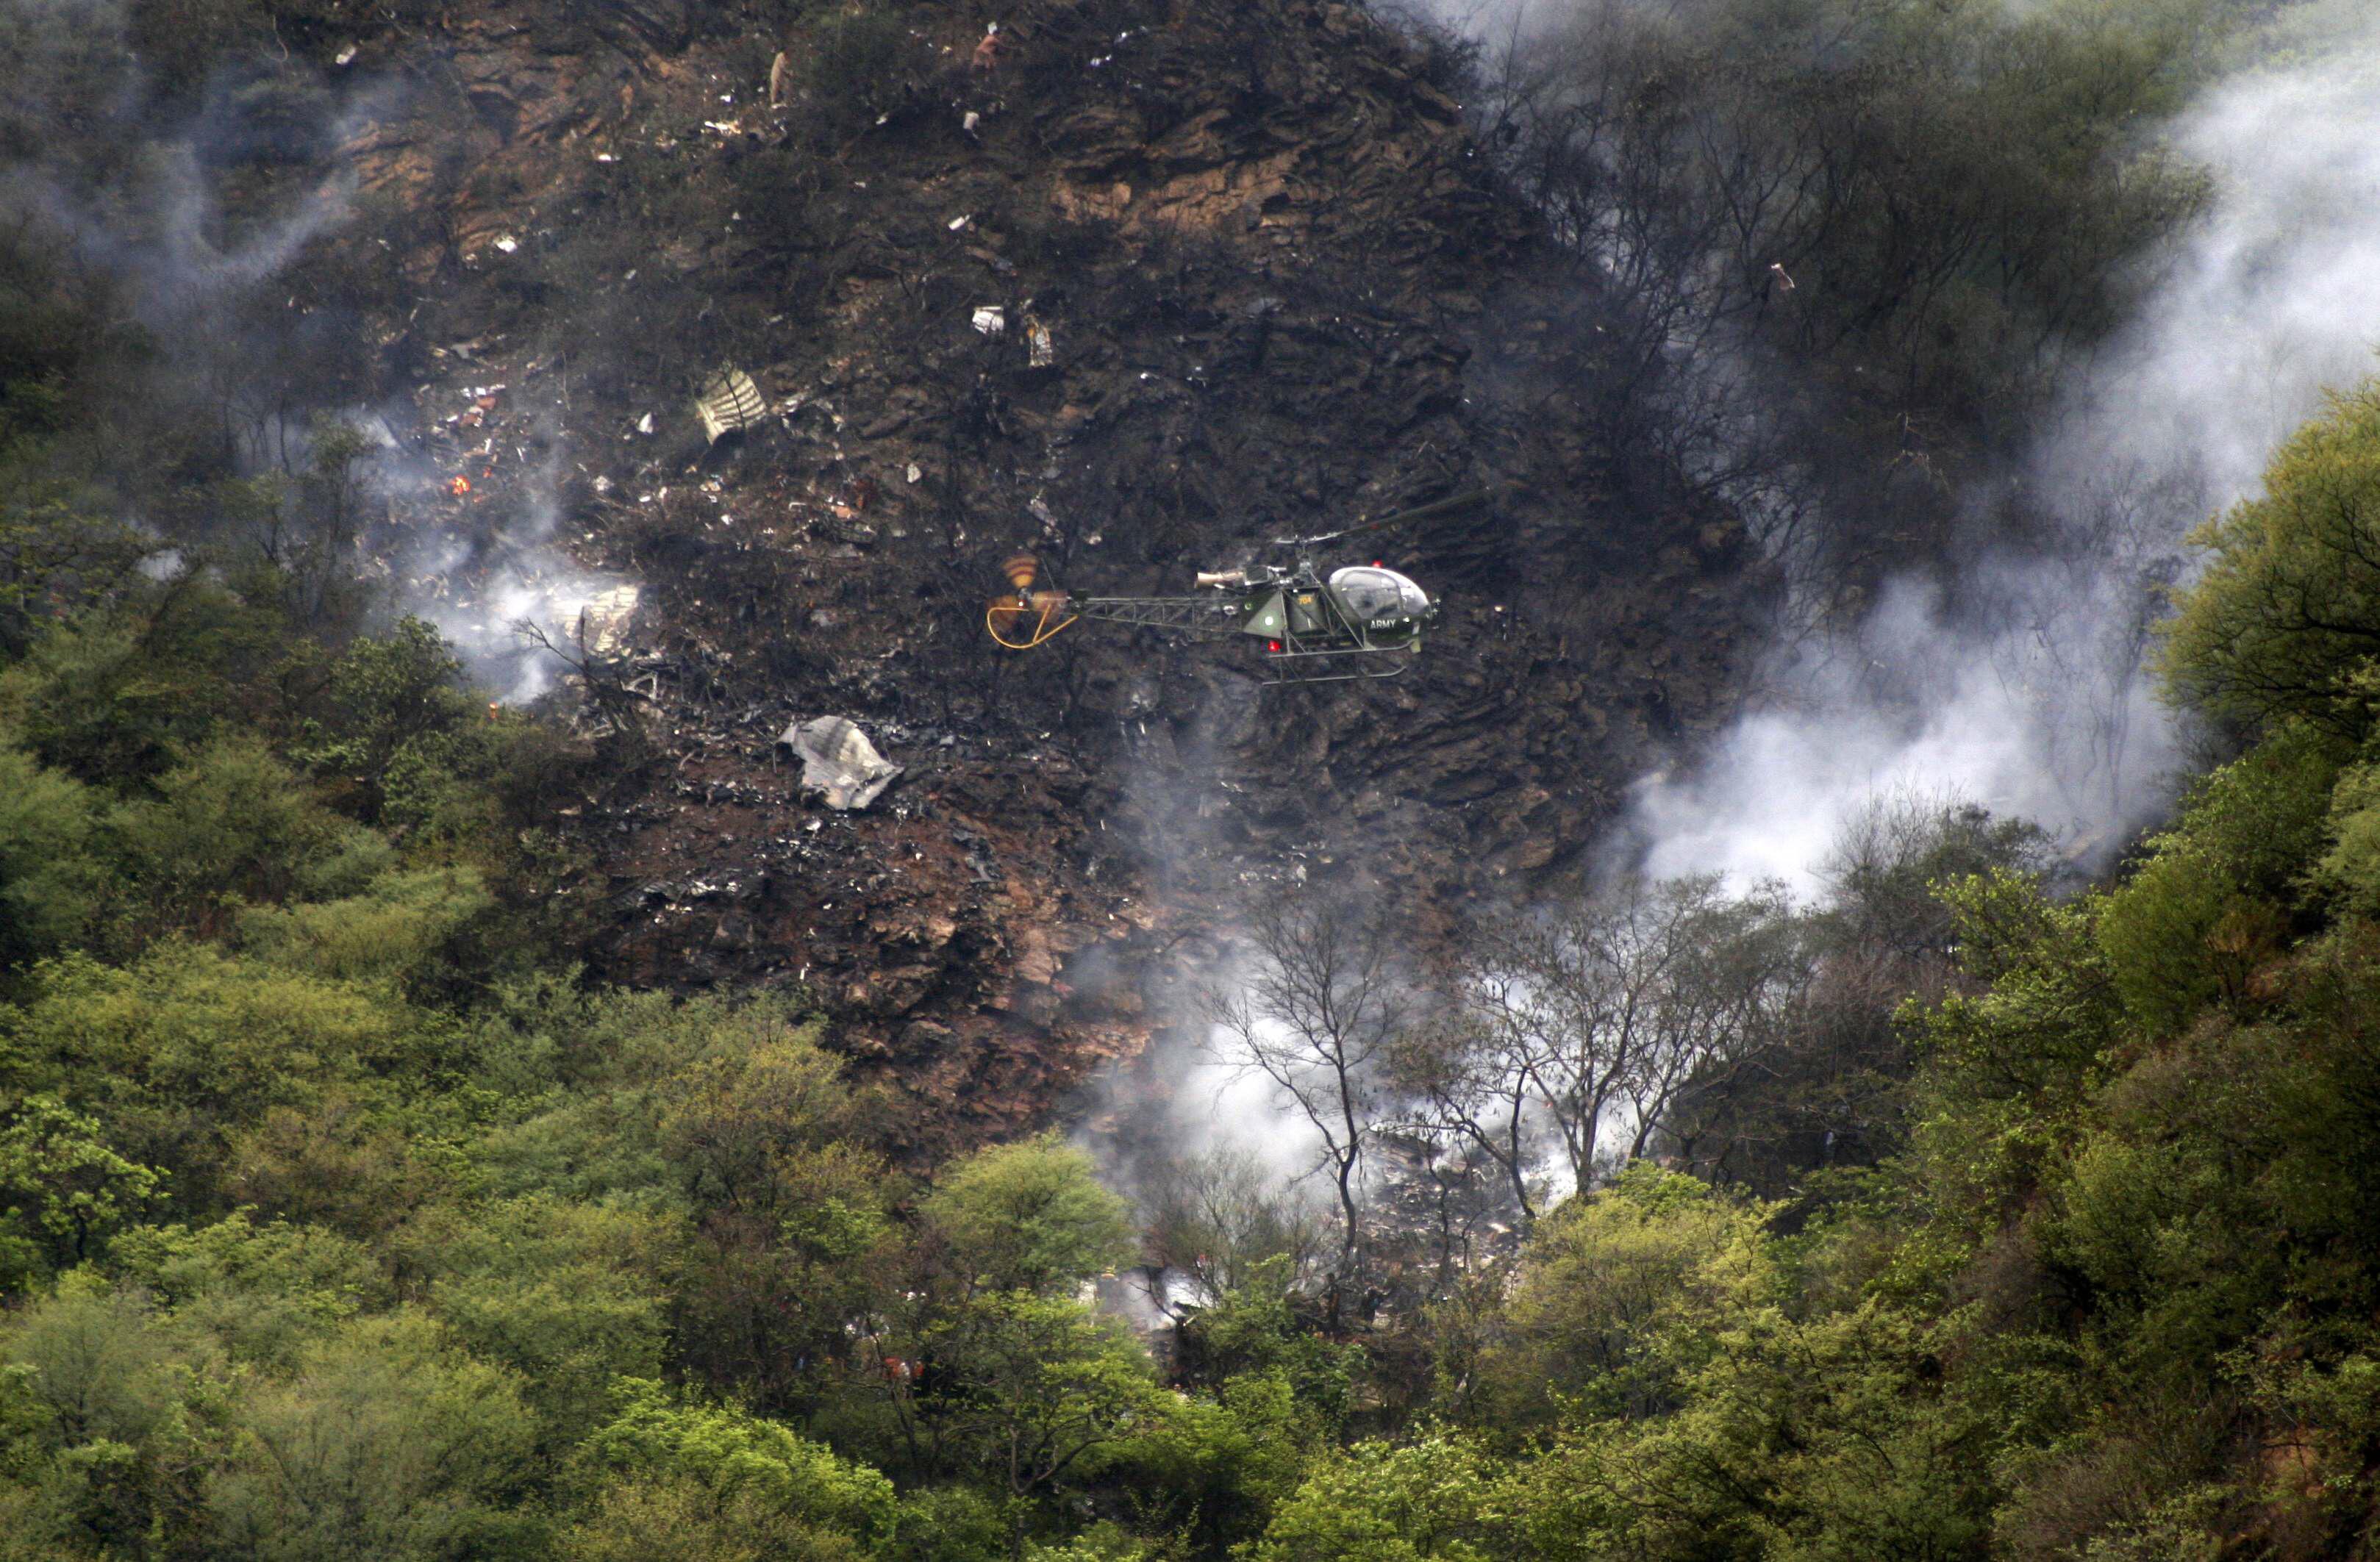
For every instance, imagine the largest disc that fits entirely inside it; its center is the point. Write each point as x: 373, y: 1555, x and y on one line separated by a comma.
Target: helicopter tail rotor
x: 1022, y: 617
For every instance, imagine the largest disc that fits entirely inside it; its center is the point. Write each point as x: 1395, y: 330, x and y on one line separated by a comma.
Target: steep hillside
x: 1278, y: 291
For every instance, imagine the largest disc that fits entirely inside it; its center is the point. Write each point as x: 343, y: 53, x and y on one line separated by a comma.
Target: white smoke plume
x: 2270, y: 301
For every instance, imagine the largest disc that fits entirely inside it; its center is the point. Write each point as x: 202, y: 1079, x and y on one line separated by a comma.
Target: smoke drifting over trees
x: 1975, y: 415
x: 2008, y: 664
x: 1839, y: 1167
x: 1977, y: 396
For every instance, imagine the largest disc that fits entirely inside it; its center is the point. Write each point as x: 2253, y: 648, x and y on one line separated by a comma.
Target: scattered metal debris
x: 991, y: 318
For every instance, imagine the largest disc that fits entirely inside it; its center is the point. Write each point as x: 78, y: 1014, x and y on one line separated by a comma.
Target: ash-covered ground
x: 1250, y: 276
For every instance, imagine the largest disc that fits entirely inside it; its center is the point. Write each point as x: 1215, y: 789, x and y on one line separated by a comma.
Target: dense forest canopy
x: 1968, y: 1209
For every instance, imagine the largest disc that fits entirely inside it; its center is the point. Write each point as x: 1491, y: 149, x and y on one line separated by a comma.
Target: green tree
x: 735, y: 1118
x: 1427, y: 1501
x: 2286, y: 616
x: 233, y: 827
x: 388, y: 1442
x: 686, y: 1519
x: 765, y: 1300
x: 114, y: 697
x: 390, y: 935
x: 59, y: 1177
x: 1019, y: 1388
x: 1277, y: 1399
x: 179, y: 1054
x: 382, y: 696
x: 1606, y: 1285
x: 262, y: 1292
x: 1028, y: 1217
x: 100, y: 1420
x: 1792, y: 1439
x: 735, y: 1458
x: 54, y: 876
x: 2210, y: 904
x: 570, y: 1297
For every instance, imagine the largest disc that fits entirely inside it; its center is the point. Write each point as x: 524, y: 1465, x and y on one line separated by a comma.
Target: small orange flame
x: 459, y: 487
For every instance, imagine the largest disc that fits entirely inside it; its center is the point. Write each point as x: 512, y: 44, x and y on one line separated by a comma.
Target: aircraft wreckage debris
x: 729, y: 403
x: 839, y: 765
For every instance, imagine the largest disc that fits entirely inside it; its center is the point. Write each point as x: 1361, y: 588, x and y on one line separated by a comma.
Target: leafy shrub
x: 732, y: 1455
x: 233, y: 826
x: 387, y: 1441
x: 1030, y: 1215
x: 684, y: 1520
x: 2209, y: 903
x: 2287, y: 615
x: 54, y: 878
x: 1382, y: 1502
x: 262, y: 1290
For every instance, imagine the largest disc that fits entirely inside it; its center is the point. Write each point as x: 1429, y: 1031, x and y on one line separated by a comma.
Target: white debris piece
x: 508, y: 244
x: 915, y: 472
x: 645, y: 424
x: 970, y: 122
x: 729, y: 403
x: 346, y: 55
x: 991, y: 318
x: 603, y: 621
x: 1041, y: 348
x: 839, y: 765
x: 958, y: 223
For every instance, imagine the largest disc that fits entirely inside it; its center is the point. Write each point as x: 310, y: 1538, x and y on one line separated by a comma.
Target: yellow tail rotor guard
x: 1028, y: 618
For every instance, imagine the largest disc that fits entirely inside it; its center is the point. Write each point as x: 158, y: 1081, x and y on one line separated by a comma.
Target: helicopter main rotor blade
x: 1437, y: 507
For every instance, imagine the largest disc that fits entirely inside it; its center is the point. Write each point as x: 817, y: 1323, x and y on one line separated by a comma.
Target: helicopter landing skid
x: 1293, y: 666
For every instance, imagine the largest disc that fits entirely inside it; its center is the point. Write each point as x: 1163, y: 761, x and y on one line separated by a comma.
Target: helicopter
x: 1352, y: 623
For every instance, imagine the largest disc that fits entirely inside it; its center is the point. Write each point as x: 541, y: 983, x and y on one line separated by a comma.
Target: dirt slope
x: 1278, y: 291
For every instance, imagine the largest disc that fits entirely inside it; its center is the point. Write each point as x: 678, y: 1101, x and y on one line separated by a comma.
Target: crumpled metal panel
x: 838, y: 762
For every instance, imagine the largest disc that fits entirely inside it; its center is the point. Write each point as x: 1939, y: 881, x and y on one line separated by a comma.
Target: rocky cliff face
x: 1250, y: 276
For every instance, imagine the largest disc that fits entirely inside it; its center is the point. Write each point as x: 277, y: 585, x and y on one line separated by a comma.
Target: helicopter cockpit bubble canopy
x: 1369, y: 594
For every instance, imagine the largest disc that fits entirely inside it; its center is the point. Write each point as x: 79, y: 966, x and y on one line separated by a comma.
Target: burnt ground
x: 1279, y: 289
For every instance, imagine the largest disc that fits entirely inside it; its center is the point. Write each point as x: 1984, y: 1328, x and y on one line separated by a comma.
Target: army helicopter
x: 1314, y: 628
